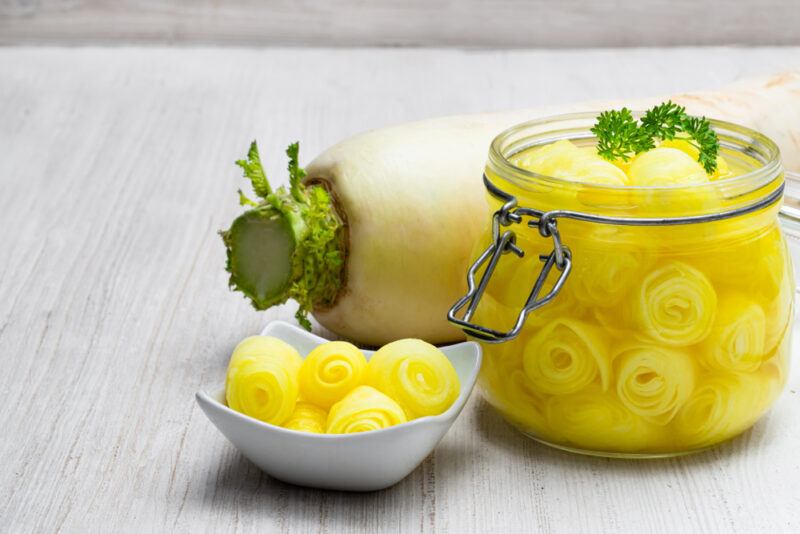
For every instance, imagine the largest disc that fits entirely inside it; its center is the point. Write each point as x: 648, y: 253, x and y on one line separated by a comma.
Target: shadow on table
x: 239, y: 484
x: 495, y: 430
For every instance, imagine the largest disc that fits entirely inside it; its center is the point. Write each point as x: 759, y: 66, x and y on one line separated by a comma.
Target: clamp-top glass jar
x: 631, y: 320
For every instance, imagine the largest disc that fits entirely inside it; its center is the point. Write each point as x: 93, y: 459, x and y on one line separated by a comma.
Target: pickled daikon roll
x: 415, y: 374
x: 364, y: 409
x: 308, y: 418
x: 262, y: 379
x: 330, y: 372
x: 327, y: 392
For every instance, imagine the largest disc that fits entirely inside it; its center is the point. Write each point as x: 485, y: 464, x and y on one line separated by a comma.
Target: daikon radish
x: 376, y: 239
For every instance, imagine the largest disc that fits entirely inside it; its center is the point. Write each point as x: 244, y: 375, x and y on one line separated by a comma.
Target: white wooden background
x: 116, y: 171
x: 473, y: 23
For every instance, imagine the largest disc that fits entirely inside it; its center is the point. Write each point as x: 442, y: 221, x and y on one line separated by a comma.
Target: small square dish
x: 352, y: 462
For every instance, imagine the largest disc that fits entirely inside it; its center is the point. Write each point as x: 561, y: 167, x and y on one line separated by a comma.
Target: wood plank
x: 116, y: 170
x: 471, y: 23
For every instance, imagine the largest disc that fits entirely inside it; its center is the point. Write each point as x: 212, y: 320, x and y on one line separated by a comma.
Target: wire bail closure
x: 560, y: 258
x: 503, y: 242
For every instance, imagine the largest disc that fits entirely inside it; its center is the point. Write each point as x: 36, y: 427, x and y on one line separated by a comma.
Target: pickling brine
x: 671, y: 330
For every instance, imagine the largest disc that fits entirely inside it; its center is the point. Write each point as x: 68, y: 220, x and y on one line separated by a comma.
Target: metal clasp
x: 503, y: 242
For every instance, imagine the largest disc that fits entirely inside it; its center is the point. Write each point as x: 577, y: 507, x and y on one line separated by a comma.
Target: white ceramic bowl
x: 353, y: 462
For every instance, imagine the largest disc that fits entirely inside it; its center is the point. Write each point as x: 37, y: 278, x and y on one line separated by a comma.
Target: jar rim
x: 759, y: 176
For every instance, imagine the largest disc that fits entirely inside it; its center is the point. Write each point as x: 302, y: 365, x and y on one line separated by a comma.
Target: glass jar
x: 631, y: 321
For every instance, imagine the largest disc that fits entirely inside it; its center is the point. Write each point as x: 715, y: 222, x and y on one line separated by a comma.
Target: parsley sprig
x: 619, y: 134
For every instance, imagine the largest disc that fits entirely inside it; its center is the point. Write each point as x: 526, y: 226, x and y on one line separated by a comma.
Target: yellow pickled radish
x: 521, y: 401
x: 666, y: 166
x: 415, y: 374
x: 592, y: 169
x: 308, y: 418
x: 602, y: 279
x: 738, y: 339
x: 720, y: 407
x: 258, y: 346
x: 566, y: 161
x: 548, y: 159
x: 733, y: 264
x: 623, y: 165
x: 682, y: 144
x: 652, y: 381
x: 261, y: 381
x: 774, y: 370
x: 565, y: 356
x: 362, y: 410
x: 773, y: 286
x: 593, y: 419
x: 330, y: 372
x: 512, y: 285
x: 674, y: 305
x: 721, y: 172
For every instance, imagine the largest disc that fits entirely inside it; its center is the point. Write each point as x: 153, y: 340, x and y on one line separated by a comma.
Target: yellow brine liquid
x: 664, y: 339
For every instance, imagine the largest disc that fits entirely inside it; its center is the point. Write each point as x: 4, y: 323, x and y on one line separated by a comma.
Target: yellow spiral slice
x: 600, y: 277
x: 775, y: 288
x: 594, y: 420
x: 721, y: 407
x: 415, y: 374
x: 675, y: 305
x: 565, y: 160
x: 592, y: 169
x: 364, y: 409
x: 652, y: 381
x: 520, y: 403
x: 307, y: 418
x: 738, y: 339
x: 330, y: 371
x: 262, y: 379
x: 666, y: 166
x: 505, y: 386
x: 512, y: 283
x: 720, y: 173
x: 566, y: 356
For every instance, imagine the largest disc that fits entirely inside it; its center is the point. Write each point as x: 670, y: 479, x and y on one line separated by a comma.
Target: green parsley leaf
x: 705, y: 140
x: 664, y: 120
x: 619, y: 135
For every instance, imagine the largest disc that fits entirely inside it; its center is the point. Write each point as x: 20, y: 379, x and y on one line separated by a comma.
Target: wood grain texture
x: 116, y: 171
x: 472, y: 23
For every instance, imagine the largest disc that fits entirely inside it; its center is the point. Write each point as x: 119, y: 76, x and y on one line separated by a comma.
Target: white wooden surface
x: 475, y: 23
x: 116, y: 171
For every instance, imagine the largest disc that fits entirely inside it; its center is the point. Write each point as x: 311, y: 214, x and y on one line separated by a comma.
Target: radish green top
x: 289, y: 244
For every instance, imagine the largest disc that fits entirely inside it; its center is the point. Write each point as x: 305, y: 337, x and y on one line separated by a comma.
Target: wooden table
x: 115, y: 173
